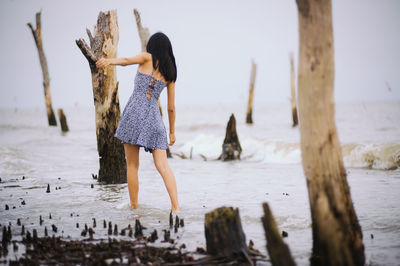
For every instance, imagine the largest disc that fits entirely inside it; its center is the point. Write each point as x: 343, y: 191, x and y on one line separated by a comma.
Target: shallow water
x: 270, y: 168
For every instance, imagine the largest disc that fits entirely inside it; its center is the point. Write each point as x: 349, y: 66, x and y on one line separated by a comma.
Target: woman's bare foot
x: 134, y: 206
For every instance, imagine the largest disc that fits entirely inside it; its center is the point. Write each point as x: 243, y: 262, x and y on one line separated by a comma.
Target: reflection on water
x: 111, y: 193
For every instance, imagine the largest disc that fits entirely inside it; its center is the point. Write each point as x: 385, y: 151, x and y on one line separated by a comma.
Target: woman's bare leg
x: 132, y: 164
x: 161, y: 162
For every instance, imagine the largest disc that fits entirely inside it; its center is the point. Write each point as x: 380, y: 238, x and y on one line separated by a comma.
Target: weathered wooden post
x: 231, y: 148
x: 144, y: 35
x: 293, y: 92
x: 103, y: 43
x: 249, y: 116
x: 37, y: 36
x: 278, y: 251
x: 224, y: 233
x: 337, y: 236
x: 63, y: 120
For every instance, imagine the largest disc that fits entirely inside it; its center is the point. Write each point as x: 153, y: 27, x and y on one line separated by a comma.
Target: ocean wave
x: 375, y: 156
x: 378, y: 156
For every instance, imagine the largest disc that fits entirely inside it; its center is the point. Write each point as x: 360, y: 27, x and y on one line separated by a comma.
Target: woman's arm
x: 171, y: 112
x: 124, y: 61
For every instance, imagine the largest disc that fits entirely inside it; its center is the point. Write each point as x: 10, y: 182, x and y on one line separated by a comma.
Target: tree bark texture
x: 224, y: 233
x: 63, y: 120
x: 278, y: 251
x: 249, y: 116
x: 231, y: 148
x: 337, y: 235
x: 144, y: 35
x: 37, y: 36
x: 293, y: 92
x: 103, y: 43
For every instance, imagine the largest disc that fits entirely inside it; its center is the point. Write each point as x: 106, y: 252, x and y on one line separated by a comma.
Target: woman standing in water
x: 141, y: 124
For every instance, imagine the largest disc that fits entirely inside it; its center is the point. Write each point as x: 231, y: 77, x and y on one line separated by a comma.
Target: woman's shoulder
x: 145, y: 55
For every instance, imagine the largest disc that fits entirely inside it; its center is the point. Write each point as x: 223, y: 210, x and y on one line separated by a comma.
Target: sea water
x: 270, y: 171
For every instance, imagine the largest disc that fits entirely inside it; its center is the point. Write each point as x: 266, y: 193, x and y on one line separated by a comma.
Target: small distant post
x: 37, y: 36
x: 63, y: 120
x: 249, y: 116
x: 293, y: 91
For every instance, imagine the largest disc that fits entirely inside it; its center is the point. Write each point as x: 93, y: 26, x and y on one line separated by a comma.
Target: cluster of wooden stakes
x: 337, y: 235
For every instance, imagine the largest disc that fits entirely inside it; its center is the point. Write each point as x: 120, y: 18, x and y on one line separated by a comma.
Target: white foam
x: 377, y: 156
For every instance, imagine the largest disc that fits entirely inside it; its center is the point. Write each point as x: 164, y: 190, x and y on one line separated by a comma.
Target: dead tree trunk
x: 37, y: 36
x: 63, y: 120
x: 144, y: 35
x: 224, y: 233
x: 337, y: 236
x: 231, y: 148
x: 278, y: 251
x: 293, y: 92
x: 249, y: 116
x: 103, y: 43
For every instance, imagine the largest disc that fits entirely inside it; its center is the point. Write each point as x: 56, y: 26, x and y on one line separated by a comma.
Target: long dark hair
x: 159, y: 46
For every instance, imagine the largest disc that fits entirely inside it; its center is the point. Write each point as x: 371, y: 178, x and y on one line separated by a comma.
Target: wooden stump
x: 144, y: 35
x: 231, y: 148
x: 37, y: 36
x: 105, y: 92
x: 293, y: 92
x: 224, y: 233
x: 249, y: 116
x: 278, y: 251
x: 337, y: 235
x: 63, y: 120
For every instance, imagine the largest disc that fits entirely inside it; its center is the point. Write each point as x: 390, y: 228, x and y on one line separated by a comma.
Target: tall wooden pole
x: 337, y: 236
x: 144, y: 35
x: 37, y: 36
x: 103, y: 43
x: 249, y: 116
x: 293, y: 91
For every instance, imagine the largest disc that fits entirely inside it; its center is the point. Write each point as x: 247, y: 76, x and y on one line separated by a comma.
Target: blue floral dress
x: 141, y: 123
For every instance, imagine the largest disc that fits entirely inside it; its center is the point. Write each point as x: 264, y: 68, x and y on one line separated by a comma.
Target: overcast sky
x: 213, y: 42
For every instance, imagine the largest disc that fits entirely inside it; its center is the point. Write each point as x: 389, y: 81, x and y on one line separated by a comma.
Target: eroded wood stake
x: 337, y: 235
x: 103, y: 43
x: 144, y: 35
x: 37, y: 36
x: 293, y: 91
x: 224, y: 233
x: 231, y: 148
x: 278, y: 251
x: 249, y: 116
x: 63, y: 120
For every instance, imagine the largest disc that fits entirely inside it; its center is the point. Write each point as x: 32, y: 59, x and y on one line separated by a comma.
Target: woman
x: 141, y: 124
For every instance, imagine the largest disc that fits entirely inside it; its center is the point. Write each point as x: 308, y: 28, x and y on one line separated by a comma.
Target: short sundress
x: 141, y: 123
